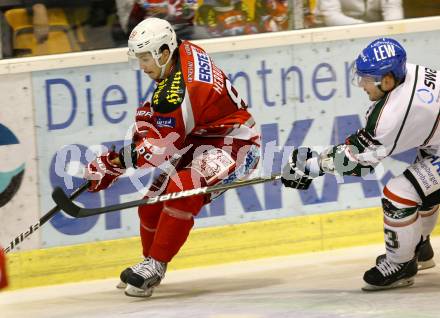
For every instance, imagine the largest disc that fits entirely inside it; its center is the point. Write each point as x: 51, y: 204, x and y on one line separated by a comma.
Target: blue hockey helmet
x: 380, y: 57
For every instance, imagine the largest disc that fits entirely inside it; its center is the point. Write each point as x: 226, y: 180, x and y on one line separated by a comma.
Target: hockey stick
x: 20, y: 238
x: 66, y: 204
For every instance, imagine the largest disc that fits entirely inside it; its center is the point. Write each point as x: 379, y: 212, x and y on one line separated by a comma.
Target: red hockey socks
x: 149, y: 218
x: 176, y: 220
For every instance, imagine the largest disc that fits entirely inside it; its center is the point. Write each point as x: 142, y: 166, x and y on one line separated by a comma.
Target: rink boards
x: 63, y: 108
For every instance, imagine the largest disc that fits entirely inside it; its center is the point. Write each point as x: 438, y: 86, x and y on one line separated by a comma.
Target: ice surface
x: 322, y: 284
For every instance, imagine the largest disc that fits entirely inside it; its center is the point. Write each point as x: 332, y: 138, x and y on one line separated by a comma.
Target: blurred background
x: 40, y: 27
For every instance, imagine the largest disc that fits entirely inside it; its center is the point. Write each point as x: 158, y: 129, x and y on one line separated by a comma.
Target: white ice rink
x: 324, y: 284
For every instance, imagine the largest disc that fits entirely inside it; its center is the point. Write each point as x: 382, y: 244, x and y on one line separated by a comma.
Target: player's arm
x: 157, y: 140
x: 358, y: 156
x: 106, y: 168
x: 156, y: 147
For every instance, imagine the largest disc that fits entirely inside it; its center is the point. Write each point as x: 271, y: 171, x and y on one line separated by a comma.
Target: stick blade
x: 65, y: 203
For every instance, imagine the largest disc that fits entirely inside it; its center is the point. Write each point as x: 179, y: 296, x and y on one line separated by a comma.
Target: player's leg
x: 425, y: 177
x: 208, y: 167
x: 427, y: 212
x: 429, y: 216
x: 174, y: 225
x: 149, y: 218
x: 425, y: 258
x: 403, y: 231
x: 417, y: 189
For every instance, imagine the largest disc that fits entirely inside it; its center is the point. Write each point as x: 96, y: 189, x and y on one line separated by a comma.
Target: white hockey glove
x: 302, y: 168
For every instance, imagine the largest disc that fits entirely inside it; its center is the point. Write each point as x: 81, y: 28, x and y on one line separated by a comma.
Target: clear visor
x: 361, y: 80
x: 133, y: 61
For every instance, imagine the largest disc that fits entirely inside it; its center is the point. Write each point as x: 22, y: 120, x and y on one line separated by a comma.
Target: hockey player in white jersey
x: 405, y: 115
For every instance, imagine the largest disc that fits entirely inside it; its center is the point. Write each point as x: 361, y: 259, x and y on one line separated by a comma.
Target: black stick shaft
x: 76, y: 211
x: 20, y: 238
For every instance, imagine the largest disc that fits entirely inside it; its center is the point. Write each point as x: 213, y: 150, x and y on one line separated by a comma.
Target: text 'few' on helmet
x: 149, y: 36
x: 380, y: 57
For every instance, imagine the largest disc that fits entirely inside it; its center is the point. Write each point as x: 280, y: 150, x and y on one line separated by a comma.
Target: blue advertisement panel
x: 299, y: 95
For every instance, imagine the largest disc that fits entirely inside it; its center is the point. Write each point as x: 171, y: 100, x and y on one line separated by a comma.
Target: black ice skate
x: 123, y: 276
x: 144, y: 277
x: 425, y: 258
x: 387, y: 275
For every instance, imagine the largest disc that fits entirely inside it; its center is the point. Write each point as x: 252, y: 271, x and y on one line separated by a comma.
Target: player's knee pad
x: 398, y: 214
x: 402, y: 224
x: 188, y: 207
x: 400, y: 201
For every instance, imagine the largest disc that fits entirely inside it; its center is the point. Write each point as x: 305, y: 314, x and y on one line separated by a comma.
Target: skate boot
x: 144, y: 277
x: 387, y: 274
x: 123, y: 276
x: 425, y: 257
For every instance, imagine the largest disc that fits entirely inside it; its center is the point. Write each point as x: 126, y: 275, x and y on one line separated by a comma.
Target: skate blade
x: 425, y: 265
x: 121, y: 285
x: 400, y: 283
x: 133, y: 291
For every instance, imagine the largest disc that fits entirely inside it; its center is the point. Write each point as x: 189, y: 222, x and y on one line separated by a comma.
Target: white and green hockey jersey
x: 407, y: 117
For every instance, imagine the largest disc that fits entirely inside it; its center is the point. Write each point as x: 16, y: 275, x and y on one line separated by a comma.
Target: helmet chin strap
x: 164, y: 66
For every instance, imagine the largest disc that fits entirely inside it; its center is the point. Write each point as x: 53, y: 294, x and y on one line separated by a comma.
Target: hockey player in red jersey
x: 405, y: 115
x: 197, y: 125
x: 3, y: 277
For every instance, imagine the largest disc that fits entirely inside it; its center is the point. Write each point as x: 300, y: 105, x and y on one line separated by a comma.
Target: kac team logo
x: 11, y: 165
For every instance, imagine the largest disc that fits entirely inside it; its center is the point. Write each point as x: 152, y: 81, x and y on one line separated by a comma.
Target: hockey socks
x: 149, y: 218
x: 177, y: 218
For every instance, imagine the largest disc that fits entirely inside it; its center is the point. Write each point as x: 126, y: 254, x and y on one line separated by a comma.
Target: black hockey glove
x: 296, y: 173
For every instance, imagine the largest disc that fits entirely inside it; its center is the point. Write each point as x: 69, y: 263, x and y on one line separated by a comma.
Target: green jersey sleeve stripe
x: 374, y: 116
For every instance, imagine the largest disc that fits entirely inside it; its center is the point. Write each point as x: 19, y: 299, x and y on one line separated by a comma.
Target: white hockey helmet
x: 149, y: 36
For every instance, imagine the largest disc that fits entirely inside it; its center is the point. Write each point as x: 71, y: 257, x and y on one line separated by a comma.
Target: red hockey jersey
x: 196, y: 99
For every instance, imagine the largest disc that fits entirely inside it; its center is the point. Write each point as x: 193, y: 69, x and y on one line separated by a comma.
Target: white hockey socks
x: 402, y: 223
x: 429, y: 220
